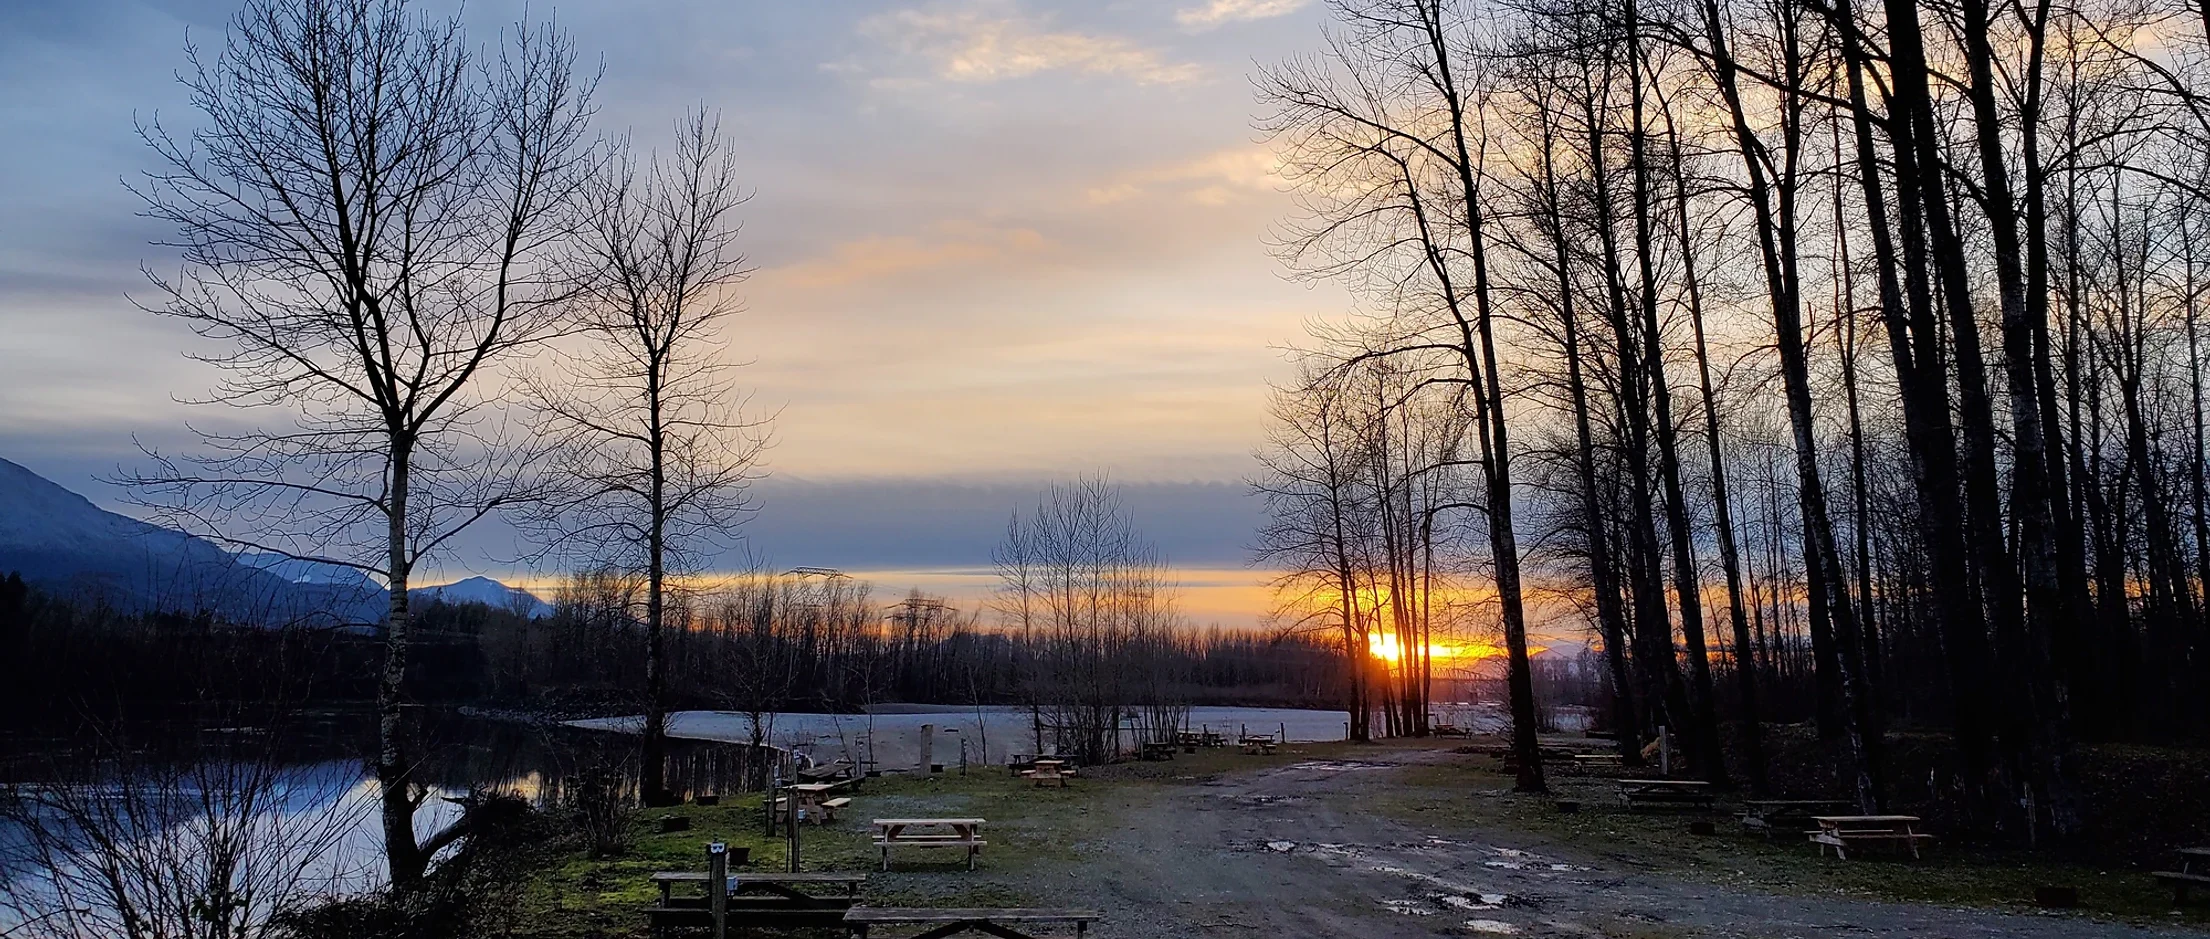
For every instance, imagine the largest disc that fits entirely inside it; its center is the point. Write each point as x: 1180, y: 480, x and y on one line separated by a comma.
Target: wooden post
x: 717, y: 887
x: 791, y: 821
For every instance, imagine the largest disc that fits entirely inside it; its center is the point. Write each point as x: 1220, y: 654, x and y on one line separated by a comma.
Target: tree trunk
x: 394, y: 758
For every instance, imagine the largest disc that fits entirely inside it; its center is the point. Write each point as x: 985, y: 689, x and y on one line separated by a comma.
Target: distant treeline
x: 756, y: 644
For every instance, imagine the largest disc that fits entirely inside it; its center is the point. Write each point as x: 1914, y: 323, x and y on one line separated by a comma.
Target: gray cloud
x: 1014, y: 242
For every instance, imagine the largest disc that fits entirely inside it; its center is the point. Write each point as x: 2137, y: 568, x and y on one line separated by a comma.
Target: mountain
x: 488, y: 592
x: 66, y: 545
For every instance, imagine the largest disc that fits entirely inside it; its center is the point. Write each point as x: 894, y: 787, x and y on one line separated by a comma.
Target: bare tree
x: 1101, y: 601
x: 368, y: 215
x: 653, y: 452
x: 1386, y: 139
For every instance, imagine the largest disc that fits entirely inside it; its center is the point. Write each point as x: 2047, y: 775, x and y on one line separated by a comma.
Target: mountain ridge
x: 62, y: 542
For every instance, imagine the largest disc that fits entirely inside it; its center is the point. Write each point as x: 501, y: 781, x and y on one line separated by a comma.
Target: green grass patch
x: 579, y: 897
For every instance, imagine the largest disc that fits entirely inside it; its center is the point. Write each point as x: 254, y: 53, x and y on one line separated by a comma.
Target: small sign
x: 717, y: 848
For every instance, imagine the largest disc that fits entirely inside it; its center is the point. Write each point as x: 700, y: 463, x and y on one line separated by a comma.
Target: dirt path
x: 1284, y: 852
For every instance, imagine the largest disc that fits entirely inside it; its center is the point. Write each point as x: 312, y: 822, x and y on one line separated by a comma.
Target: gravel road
x: 1284, y: 852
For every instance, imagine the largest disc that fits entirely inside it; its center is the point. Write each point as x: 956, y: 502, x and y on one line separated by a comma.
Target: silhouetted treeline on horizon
x: 760, y: 644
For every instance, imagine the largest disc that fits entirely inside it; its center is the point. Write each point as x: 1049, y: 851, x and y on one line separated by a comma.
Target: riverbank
x: 1397, y: 839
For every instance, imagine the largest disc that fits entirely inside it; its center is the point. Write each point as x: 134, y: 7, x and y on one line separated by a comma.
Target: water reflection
x: 166, y: 786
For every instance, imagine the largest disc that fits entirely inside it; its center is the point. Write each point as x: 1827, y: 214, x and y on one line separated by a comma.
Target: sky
x: 997, y: 243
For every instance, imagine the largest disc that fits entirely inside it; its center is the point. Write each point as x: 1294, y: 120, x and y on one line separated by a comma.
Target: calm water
x: 320, y: 784
x: 894, y: 741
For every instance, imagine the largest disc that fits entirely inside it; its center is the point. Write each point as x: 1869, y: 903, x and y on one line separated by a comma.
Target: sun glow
x: 1386, y: 647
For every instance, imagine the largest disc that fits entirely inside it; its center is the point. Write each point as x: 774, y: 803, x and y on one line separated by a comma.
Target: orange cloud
x: 968, y: 46
x: 1216, y: 178
x: 881, y: 256
x: 1217, y: 12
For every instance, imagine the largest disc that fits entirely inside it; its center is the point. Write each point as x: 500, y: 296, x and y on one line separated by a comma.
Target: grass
x: 579, y: 897
x: 1470, y: 793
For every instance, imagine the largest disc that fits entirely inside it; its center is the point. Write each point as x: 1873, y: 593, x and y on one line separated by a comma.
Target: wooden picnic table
x: 2194, y: 871
x: 1769, y: 815
x: 1044, y: 772
x: 1839, y: 831
x: 1258, y: 744
x: 818, y: 801
x: 770, y: 901
x: 1636, y: 793
x: 950, y: 922
x: 782, y: 885
x: 933, y: 832
x: 1191, y: 738
x: 1158, y: 750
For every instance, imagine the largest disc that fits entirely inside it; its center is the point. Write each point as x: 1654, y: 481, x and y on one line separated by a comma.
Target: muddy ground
x: 1303, y: 847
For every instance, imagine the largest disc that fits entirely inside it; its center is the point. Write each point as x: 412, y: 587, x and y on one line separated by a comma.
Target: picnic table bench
x: 2187, y: 875
x: 782, y: 885
x: 772, y: 901
x: 1770, y: 815
x: 1044, y: 772
x: 931, y: 833
x: 834, y: 769
x: 1007, y: 923
x: 817, y: 802
x: 1637, y: 793
x: 1841, y: 831
x: 1193, y: 738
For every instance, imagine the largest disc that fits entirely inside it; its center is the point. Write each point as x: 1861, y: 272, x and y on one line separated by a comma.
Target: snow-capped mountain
x: 486, y: 591
x: 62, y: 542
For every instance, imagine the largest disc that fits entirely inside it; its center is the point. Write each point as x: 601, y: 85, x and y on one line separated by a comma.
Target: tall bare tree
x: 654, y: 452
x: 369, y: 215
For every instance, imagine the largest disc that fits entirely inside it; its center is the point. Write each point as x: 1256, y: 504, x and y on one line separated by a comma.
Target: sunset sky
x: 998, y: 242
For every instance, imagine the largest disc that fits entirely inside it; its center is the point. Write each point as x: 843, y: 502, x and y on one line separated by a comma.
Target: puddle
x: 1336, y: 766
x: 1493, y: 927
x: 1477, y: 903
x: 1406, y: 907
x: 1281, y: 847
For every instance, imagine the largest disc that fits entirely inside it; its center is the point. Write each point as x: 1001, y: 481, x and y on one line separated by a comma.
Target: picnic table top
x: 877, y: 914
x: 695, y: 876
x: 2203, y: 851
x: 1783, y: 803
x: 816, y: 787
x: 1868, y: 819
x: 887, y: 822
x: 1675, y: 783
